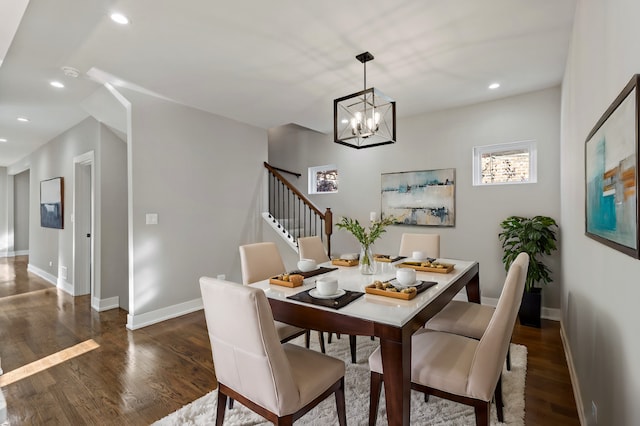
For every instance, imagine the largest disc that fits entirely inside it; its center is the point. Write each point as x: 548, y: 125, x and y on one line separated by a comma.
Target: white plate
x: 394, y: 282
x: 314, y: 293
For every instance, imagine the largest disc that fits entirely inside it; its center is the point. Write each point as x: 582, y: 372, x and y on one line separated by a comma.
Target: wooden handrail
x: 293, y: 189
x: 326, y: 217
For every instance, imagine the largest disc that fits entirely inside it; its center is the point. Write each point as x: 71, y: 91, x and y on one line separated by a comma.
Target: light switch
x: 152, y: 218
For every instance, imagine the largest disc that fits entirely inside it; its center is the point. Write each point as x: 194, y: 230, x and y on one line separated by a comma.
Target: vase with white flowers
x: 366, y: 238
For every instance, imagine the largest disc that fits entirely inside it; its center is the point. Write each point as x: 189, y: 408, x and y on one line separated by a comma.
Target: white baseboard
x: 105, y: 304
x: 52, y: 279
x: 65, y: 286
x: 14, y: 253
x: 142, y: 320
x: 573, y: 375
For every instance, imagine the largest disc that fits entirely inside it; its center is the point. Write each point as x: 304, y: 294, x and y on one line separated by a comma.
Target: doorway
x: 83, y: 226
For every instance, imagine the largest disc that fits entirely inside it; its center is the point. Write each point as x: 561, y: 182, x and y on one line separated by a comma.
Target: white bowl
x: 306, y: 265
x: 418, y: 255
x: 349, y: 256
x: 406, y: 276
x: 327, y: 286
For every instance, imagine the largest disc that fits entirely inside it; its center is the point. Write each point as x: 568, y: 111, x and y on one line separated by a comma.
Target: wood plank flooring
x: 138, y: 377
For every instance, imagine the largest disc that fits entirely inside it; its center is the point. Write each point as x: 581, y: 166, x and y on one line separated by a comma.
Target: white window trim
x: 529, y: 145
x: 312, y: 181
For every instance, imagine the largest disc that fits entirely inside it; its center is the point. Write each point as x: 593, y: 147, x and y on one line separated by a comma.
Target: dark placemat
x: 422, y: 286
x: 320, y: 270
x: 337, y: 303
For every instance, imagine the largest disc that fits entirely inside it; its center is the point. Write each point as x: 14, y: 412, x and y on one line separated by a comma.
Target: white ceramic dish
x: 349, y: 256
x: 394, y: 282
x: 314, y: 293
x: 307, y: 265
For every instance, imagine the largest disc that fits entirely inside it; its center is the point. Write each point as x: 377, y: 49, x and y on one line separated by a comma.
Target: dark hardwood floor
x: 138, y: 377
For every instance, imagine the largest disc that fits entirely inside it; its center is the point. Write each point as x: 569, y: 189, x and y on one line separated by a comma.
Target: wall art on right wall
x: 611, y: 174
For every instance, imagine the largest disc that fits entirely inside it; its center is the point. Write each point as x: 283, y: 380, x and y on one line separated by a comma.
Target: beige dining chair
x: 280, y: 382
x: 459, y: 368
x: 313, y: 248
x: 429, y: 244
x: 466, y: 319
x: 260, y: 261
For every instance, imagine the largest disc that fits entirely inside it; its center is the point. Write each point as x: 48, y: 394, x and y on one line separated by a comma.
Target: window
x: 323, y: 179
x: 506, y: 163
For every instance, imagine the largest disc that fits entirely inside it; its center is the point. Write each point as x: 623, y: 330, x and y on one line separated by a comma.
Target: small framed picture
x: 51, y: 203
x: 323, y: 179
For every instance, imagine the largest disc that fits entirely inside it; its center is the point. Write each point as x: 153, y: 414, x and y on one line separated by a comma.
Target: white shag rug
x: 435, y: 412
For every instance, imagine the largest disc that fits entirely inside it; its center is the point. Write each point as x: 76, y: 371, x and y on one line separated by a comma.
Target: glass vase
x: 366, y: 264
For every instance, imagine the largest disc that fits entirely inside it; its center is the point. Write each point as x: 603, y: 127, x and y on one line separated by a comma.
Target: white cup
x: 327, y: 286
x: 307, y: 265
x: 406, y: 276
x: 418, y: 255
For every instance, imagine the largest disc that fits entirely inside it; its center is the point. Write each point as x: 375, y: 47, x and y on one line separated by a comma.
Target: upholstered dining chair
x: 260, y: 261
x: 313, y: 248
x: 459, y: 368
x: 466, y: 319
x: 429, y: 244
x: 280, y: 382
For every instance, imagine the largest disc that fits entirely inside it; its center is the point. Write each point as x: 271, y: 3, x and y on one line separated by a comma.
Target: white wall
x: 21, y: 199
x: 600, y: 292
x: 111, y: 203
x: 202, y: 174
x: 6, y: 201
x: 442, y: 140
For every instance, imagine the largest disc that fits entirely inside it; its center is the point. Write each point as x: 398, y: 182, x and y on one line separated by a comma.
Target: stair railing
x: 296, y: 214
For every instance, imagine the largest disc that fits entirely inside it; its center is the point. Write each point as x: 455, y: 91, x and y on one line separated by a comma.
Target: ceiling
x: 269, y: 63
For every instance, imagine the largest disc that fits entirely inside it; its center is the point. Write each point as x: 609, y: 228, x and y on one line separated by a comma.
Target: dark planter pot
x: 530, y: 307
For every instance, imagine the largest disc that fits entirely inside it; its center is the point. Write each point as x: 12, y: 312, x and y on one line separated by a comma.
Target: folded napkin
x: 320, y: 270
x: 336, y: 303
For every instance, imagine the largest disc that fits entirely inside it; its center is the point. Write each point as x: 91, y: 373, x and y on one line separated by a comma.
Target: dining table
x: 393, y: 321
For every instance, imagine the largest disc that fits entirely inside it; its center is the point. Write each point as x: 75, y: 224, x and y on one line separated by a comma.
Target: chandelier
x: 364, y: 119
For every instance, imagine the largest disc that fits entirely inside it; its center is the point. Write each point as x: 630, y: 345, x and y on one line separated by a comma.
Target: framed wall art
x: 424, y: 197
x: 323, y: 179
x: 611, y: 174
x: 51, y: 203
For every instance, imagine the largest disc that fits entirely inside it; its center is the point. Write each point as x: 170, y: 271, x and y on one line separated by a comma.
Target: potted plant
x: 366, y: 237
x: 535, y: 236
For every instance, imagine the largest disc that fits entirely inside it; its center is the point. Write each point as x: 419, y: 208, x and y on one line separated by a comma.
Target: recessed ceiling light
x: 57, y: 84
x: 2, y: 140
x: 23, y: 119
x: 119, y: 18
x: 493, y: 86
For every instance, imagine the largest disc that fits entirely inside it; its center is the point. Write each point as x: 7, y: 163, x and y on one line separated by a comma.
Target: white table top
x: 386, y: 310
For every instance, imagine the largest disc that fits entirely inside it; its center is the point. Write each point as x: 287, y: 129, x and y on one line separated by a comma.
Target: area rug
x: 435, y: 412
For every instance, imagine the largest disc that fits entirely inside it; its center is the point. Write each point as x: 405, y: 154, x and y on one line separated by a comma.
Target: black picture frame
x: 52, y: 203
x: 611, y: 174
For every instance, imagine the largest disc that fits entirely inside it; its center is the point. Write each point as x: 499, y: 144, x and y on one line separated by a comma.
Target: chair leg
x: 329, y: 337
x: 483, y: 413
x: 352, y: 346
x: 340, y: 404
x: 307, y: 338
x: 509, y: 358
x: 230, y: 403
x: 222, y: 405
x: 321, y: 340
x: 499, y: 401
x: 426, y: 397
x: 374, y: 397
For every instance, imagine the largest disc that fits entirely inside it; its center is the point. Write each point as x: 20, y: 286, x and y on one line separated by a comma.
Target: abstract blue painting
x: 424, y: 197
x: 611, y: 206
